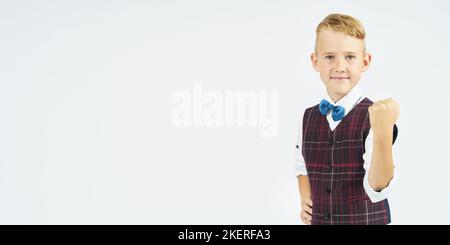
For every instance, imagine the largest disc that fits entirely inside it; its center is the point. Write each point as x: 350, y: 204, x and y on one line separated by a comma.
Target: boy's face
x: 340, y: 59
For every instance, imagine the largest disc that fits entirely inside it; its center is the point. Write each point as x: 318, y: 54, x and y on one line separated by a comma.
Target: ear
x: 314, y: 61
x: 366, y: 61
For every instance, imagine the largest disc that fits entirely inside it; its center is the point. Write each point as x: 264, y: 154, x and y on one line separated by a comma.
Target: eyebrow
x: 347, y: 52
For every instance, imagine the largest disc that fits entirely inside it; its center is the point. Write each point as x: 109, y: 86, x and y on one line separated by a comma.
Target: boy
x: 344, y: 165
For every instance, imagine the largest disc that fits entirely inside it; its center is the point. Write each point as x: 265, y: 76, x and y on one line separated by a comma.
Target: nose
x: 340, y: 66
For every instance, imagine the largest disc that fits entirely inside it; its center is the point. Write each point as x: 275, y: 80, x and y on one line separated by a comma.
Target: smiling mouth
x: 340, y: 78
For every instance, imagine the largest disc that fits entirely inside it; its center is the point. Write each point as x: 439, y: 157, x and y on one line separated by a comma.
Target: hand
x: 306, y: 213
x: 383, y: 115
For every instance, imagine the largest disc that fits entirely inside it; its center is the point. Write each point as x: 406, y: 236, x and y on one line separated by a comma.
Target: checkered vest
x: 334, y: 164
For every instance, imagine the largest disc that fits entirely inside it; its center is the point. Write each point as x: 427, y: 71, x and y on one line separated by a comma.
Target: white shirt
x: 349, y: 101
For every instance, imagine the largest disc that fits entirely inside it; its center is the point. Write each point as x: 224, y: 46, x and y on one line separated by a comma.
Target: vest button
x: 331, y: 141
x: 329, y: 167
x: 326, y: 216
x: 329, y: 190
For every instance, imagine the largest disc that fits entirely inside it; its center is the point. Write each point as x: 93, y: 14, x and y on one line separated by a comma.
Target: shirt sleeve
x: 375, y: 196
x: 299, y: 164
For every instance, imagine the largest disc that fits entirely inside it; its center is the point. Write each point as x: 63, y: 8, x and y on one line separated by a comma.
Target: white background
x: 86, y: 135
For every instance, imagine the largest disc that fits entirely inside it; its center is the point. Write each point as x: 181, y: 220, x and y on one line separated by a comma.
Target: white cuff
x: 376, y: 196
x: 300, y: 168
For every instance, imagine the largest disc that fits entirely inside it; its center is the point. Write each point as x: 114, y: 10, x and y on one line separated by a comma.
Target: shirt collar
x: 349, y: 100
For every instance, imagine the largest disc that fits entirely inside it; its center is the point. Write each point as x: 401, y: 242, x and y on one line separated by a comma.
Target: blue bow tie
x: 338, y: 111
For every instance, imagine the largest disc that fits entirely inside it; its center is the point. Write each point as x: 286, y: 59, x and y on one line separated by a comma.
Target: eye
x: 329, y: 57
x: 350, y: 57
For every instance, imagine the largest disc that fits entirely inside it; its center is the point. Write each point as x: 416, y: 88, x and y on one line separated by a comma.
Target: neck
x: 335, y: 97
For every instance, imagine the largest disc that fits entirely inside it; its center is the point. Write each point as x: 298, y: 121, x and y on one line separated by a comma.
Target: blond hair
x: 342, y: 23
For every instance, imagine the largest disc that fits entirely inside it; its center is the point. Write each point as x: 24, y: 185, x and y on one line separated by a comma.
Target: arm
x: 383, y: 115
x: 382, y: 169
x: 303, y: 183
x: 380, y: 194
x: 303, y: 186
x: 305, y: 195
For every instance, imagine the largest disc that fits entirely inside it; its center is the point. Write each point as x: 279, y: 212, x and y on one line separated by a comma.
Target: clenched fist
x: 383, y: 115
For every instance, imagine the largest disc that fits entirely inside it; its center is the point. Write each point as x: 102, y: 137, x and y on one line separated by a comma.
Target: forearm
x: 382, y: 167
x: 304, y: 188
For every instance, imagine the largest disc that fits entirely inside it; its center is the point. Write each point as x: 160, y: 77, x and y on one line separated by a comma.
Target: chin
x: 341, y: 88
x: 339, y: 91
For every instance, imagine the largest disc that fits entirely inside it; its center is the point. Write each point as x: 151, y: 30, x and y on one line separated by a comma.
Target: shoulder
x: 363, y: 106
x: 310, y: 111
x: 366, y: 102
x: 312, y: 108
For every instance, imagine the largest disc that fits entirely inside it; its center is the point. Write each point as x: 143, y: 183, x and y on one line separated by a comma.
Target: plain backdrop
x: 86, y: 134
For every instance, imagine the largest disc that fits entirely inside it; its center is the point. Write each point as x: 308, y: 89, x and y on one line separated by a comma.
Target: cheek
x: 355, y: 76
x: 355, y: 70
x: 325, y: 69
x: 324, y: 74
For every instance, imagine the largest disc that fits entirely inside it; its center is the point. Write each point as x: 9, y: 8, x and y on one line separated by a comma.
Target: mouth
x: 339, y: 78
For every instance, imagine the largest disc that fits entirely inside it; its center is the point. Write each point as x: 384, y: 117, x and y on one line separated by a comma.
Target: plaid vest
x: 334, y: 164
